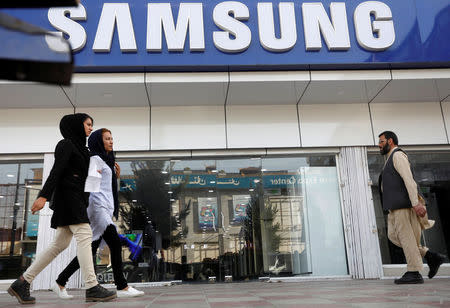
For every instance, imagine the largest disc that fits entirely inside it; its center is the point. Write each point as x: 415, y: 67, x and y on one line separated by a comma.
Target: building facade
x: 246, y: 134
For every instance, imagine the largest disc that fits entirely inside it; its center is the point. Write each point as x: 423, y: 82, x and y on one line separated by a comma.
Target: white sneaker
x: 61, y: 293
x: 131, y: 292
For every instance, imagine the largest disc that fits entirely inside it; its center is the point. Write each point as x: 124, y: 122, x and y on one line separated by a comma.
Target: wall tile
x: 30, y: 130
x: 414, y: 123
x: 187, y: 127
x: 130, y: 127
x: 335, y: 125
x: 262, y: 126
x: 446, y: 111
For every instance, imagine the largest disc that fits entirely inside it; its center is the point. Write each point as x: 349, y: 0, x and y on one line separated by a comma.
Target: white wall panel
x: 344, y: 87
x: 335, y: 125
x: 266, y: 88
x: 446, y: 111
x: 108, y: 90
x: 188, y: 127
x: 32, y: 95
x: 262, y: 126
x: 414, y: 123
x: 187, y: 89
x: 30, y: 130
x: 416, y: 85
x: 130, y: 127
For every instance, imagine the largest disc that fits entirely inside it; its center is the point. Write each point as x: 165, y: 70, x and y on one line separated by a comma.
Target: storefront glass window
x: 229, y: 219
x: 432, y: 173
x: 19, y: 186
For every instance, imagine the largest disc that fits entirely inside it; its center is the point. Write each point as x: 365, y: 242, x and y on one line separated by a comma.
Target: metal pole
x: 16, y: 209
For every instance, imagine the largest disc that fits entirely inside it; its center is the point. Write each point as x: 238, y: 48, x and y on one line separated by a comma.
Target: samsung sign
x: 234, y: 36
x: 174, y: 35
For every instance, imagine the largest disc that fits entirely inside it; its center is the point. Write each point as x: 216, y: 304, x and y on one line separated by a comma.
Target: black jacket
x: 66, y: 184
x: 393, y: 192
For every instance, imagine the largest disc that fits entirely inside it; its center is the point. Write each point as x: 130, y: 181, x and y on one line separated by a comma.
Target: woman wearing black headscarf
x: 65, y: 188
x: 103, y: 205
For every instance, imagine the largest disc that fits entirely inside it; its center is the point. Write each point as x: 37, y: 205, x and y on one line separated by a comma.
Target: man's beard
x: 385, y: 149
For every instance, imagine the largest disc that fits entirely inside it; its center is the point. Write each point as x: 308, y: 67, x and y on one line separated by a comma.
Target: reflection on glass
x: 230, y: 219
x: 19, y: 187
x: 284, y: 216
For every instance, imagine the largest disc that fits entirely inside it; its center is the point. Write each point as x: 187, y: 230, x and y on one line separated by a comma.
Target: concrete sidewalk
x: 340, y: 293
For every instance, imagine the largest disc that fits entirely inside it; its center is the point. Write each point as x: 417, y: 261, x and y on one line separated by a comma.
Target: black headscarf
x: 97, y: 147
x: 72, y: 128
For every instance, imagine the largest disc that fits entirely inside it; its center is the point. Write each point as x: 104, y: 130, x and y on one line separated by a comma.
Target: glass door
x: 230, y: 219
x: 284, y: 217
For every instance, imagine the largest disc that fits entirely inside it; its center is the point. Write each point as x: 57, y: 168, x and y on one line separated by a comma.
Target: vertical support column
x: 363, y: 250
x: 47, y: 277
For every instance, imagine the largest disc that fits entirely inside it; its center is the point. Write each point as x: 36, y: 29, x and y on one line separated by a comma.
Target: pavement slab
x: 308, y: 294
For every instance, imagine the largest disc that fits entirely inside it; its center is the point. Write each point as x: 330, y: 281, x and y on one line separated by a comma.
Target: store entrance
x: 230, y: 219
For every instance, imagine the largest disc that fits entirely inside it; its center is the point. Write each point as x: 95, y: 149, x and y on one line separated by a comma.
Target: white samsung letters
x: 373, y: 24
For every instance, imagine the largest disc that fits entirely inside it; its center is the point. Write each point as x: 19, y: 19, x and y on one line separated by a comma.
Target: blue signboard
x: 174, y: 35
x: 238, y: 182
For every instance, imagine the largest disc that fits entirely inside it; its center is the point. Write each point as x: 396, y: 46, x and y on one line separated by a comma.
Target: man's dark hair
x: 388, y: 135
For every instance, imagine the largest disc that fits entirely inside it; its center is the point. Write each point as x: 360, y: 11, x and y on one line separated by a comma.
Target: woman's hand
x: 38, y: 204
x: 117, y: 170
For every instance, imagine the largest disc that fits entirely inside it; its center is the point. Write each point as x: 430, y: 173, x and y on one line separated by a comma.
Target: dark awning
x: 37, y: 3
x: 30, y: 53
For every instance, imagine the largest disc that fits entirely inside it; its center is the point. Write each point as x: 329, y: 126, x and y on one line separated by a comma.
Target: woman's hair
x: 105, y: 130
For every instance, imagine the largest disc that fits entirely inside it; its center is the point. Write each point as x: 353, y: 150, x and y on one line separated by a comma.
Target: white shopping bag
x: 94, y: 177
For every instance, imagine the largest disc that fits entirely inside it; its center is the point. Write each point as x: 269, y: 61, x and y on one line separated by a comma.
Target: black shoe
x: 21, y: 290
x: 410, y: 278
x: 434, y: 261
x: 99, y: 294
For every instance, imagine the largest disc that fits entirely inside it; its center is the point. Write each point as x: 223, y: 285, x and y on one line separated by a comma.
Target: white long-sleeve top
x: 101, y: 204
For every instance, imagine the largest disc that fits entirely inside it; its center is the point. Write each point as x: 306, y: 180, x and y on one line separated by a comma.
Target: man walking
x: 407, y: 213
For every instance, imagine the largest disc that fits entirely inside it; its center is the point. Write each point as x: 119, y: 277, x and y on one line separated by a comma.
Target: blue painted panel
x: 421, y: 39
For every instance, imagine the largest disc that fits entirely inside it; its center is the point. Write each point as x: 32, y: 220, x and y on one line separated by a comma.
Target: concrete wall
x: 313, y: 109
